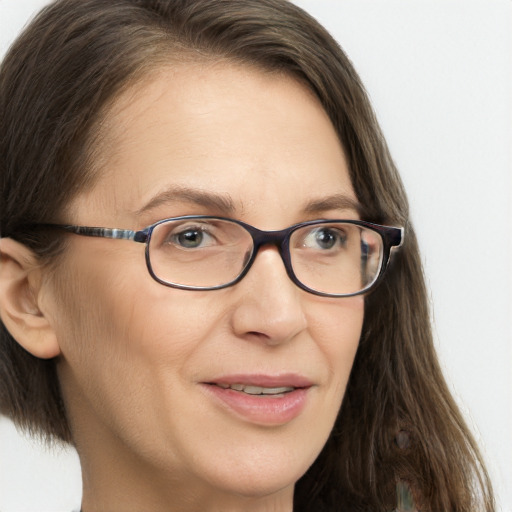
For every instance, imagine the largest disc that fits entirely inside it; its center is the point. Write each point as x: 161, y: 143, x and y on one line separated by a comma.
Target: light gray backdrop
x: 440, y: 75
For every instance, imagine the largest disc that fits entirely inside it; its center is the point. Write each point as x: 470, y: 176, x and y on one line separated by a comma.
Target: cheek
x: 119, y: 331
x: 336, y: 328
x: 109, y: 326
x: 111, y: 303
x: 124, y: 326
x: 126, y: 343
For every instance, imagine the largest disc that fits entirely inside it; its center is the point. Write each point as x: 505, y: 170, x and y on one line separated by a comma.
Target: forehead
x: 253, y: 136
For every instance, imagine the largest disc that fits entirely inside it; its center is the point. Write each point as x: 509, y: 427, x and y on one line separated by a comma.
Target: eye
x: 192, y: 238
x: 324, y: 238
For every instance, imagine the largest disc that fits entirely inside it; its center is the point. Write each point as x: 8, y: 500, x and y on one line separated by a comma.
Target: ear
x: 20, y: 300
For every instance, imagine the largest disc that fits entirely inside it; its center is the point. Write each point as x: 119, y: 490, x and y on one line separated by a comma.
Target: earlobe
x: 20, y: 300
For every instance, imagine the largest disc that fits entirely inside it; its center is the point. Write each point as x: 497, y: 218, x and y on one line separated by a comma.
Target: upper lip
x: 264, y: 381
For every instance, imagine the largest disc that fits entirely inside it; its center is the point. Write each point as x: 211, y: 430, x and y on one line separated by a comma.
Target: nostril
x: 258, y: 335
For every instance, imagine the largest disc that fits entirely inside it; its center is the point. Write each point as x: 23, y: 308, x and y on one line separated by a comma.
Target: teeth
x: 257, y: 390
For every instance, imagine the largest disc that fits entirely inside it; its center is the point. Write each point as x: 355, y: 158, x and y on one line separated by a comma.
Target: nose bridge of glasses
x: 262, y: 238
x: 265, y: 238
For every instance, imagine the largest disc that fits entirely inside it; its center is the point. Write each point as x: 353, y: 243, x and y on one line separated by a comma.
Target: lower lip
x: 261, y: 409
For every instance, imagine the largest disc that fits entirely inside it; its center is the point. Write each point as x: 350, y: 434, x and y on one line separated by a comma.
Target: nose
x: 269, y: 306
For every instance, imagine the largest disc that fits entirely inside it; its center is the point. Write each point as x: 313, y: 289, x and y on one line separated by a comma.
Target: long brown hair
x: 398, y: 421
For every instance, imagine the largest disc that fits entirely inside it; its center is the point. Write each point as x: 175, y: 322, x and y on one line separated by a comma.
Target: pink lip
x: 262, y: 410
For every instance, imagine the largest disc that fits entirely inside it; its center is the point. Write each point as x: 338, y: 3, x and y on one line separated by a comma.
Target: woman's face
x: 144, y: 366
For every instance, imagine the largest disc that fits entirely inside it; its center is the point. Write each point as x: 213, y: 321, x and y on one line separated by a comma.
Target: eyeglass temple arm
x: 118, y: 234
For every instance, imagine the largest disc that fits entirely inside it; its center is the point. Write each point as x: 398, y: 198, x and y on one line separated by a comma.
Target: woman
x: 235, y: 142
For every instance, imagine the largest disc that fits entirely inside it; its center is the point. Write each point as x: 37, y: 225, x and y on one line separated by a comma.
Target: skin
x: 133, y: 353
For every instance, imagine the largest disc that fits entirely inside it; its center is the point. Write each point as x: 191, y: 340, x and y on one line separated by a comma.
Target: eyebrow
x: 210, y: 200
x: 334, y: 202
x: 225, y: 204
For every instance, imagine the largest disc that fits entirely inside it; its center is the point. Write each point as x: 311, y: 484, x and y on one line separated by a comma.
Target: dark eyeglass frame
x: 392, y: 237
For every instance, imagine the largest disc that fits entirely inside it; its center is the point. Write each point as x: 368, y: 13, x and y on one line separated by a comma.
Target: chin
x: 254, y: 481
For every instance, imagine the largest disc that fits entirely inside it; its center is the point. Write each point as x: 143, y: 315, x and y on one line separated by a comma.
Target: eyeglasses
x: 334, y: 258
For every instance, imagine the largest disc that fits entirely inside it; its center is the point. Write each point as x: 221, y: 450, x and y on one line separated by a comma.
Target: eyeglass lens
x: 333, y: 258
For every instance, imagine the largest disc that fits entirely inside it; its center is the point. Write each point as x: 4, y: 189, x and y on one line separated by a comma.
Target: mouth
x: 275, y: 392
x: 262, y: 400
